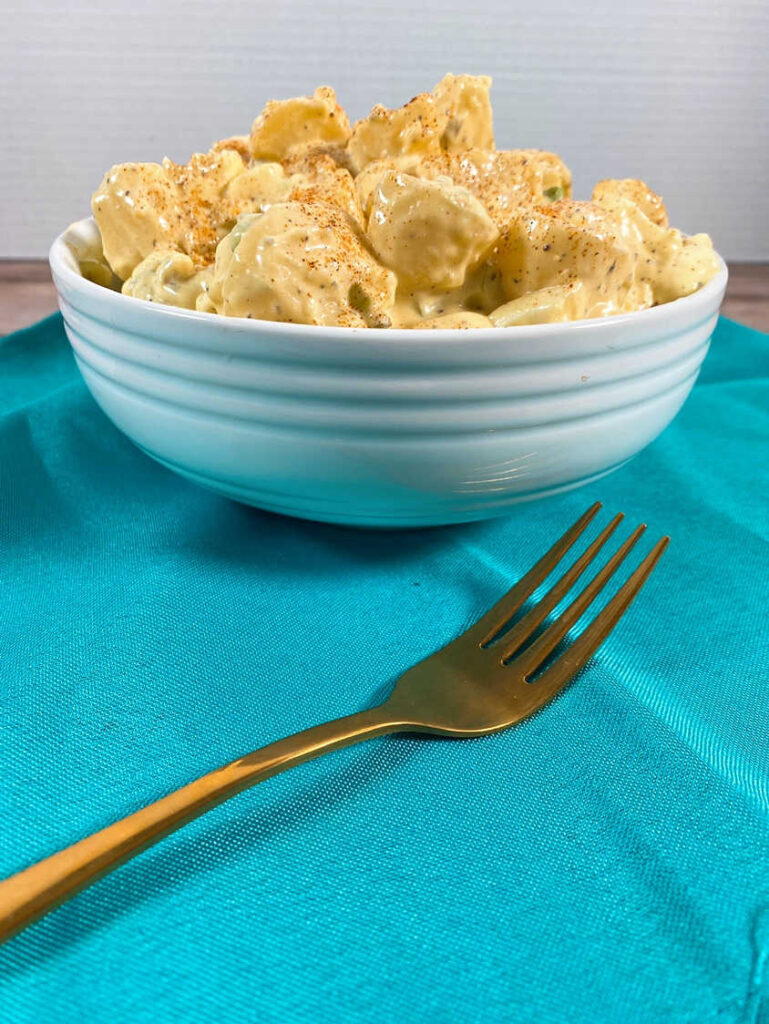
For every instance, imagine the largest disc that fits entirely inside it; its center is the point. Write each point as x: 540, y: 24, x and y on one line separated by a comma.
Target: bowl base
x: 374, y: 519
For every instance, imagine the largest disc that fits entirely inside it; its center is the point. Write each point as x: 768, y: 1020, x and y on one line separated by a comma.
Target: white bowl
x: 380, y: 427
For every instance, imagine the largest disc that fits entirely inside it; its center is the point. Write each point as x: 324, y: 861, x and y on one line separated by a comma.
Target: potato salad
x: 411, y: 217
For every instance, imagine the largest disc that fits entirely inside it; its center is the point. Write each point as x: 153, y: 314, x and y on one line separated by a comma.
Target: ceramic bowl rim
x: 61, y: 258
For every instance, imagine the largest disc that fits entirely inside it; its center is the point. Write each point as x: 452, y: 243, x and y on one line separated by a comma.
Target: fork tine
x: 523, y: 629
x: 549, y: 640
x: 495, y: 619
x: 579, y: 653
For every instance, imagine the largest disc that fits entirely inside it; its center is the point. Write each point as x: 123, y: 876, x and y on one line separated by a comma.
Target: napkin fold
x: 606, y: 861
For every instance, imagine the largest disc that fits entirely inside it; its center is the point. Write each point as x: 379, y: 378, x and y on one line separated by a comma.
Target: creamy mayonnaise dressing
x: 409, y: 218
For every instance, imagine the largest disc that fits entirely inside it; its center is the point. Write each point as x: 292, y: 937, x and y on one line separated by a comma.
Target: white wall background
x: 672, y: 91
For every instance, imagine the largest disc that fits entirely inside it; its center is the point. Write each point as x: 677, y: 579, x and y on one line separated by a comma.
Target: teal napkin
x: 606, y: 861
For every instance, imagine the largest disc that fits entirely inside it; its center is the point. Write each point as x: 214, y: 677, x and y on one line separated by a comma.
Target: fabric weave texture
x: 606, y: 861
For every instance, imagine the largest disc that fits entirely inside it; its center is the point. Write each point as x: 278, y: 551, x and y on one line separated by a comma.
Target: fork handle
x: 28, y: 895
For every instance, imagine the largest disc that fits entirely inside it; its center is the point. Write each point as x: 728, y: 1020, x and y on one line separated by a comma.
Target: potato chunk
x: 239, y: 143
x: 611, y: 192
x: 462, y: 321
x: 301, y: 263
x: 429, y: 232
x: 169, y: 277
x: 304, y: 159
x: 137, y: 208
x: 186, y: 207
x: 546, y: 246
x: 413, y: 130
x: 502, y: 179
x: 285, y: 124
x: 455, y: 116
x: 368, y: 179
x: 464, y: 99
x: 671, y: 264
x: 259, y: 185
x: 319, y: 178
x: 550, y: 305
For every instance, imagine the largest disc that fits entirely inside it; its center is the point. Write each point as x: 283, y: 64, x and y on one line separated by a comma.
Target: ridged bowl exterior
x: 381, y: 428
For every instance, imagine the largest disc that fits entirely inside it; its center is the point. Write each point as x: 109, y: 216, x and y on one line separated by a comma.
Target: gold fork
x: 482, y: 682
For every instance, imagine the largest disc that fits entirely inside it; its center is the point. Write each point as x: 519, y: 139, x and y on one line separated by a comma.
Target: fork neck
x: 311, y: 743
